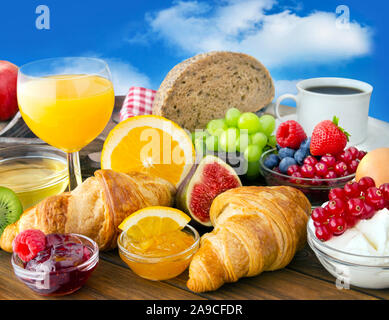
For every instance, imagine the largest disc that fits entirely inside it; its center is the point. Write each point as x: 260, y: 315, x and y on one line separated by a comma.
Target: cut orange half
x: 149, y: 144
x: 153, y: 221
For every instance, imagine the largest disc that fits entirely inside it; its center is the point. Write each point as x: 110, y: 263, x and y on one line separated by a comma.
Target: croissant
x: 95, y: 208
x: 256, y: 229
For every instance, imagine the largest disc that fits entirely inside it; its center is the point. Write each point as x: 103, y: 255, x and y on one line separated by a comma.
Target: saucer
x: 377, y: 133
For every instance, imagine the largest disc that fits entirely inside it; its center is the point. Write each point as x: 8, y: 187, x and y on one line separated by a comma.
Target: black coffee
x: 334, y: 90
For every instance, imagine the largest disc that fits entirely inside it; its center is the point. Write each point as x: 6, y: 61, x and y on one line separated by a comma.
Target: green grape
x: 242, y: 142
x: 252, y: 153
x: 216, y: 127
x: 267, y: 124
x: 250, y: 122
x: 232, y: 117
x: 272, y: 141
x: 200, y: 134
x: 212, y: 143
x: 259, y: 138
x: 228, y: 139
x: 253, y: 170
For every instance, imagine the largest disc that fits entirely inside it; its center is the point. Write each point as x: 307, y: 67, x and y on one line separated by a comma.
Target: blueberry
x: 286, y: 152
x: 278, y: 146
x: 306, y: 144
x: 271, y: 161
x: 300, y: 155
x: 286, y: 163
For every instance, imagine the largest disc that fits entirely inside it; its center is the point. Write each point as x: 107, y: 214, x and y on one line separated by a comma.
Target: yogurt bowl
x: 365, y: 271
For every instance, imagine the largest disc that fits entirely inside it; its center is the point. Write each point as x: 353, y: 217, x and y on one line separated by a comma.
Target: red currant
x: 321, y: 169
x: 296, y: 178
x: 365, y: 183
x: 319, y: 215
x: 331, y: 175
x: 384, y: 188
x: 329, y: 160
x: 368, y: 212
x: 375, y: 198
x: 352, y: 166
x: 361, y: 154
x: 316, y: 180
x: 336, y: 193
x: 310, y: 160
x: 323, y: 233
x: 307, y: 170
x: 345, y: 156
x: 354, y: 153
x: 355, y: 207
x: 351, y: 190
x: 351, y: 221
x: 340, y: 168
x: 336, y: 207
x: 337, y: 225
x: 317, y: 224
x: 293, y: 168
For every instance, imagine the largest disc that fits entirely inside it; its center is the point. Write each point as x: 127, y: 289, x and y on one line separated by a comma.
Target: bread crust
x: 203, y: 87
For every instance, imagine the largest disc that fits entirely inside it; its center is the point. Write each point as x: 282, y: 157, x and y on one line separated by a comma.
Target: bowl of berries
x: 313, y: 164
x: 349, y: 234
x: 53, y: 264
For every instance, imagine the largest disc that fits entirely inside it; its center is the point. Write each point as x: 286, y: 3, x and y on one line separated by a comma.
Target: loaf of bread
x: 203, y: 87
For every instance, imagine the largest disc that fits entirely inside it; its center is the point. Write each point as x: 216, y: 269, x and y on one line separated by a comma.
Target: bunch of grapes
x: 245, y: 133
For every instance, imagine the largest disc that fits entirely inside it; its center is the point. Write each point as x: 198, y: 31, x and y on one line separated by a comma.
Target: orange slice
x: 150, y: 222
x: 150, y: 144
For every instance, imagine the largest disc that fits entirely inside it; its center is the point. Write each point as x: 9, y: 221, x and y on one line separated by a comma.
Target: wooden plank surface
x: 304, y: 278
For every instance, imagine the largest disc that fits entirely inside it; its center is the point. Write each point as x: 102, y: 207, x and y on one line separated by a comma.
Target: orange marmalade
x: 162, y: 257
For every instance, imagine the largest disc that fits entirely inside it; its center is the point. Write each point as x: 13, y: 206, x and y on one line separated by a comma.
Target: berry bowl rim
x: 37, y: 275
x: 281, y: 175
x: 184, y: 254
x: 317, y: 245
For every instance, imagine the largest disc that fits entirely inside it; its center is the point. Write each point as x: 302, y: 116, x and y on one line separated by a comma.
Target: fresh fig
x: 204, y: 182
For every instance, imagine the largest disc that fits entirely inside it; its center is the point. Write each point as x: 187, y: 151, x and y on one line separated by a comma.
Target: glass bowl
x: 62, y: 282
x: 33, y: 172
x: 160, y: 268
x: 370, y: 272
x: 316, y: 190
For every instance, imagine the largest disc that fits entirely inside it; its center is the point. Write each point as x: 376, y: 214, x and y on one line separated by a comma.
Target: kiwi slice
x: 10, y: 208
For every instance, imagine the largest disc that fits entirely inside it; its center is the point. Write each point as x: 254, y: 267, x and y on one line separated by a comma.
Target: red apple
x: 8, y: 99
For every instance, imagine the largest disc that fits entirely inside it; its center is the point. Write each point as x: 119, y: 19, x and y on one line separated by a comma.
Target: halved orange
x: 149, y: 144
x: 153, y: 221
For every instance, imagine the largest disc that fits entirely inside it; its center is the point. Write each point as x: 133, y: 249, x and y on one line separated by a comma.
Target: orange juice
x: 66, y: 111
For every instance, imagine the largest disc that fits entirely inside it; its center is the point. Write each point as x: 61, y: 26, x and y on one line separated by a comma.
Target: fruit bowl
x: 63, y: 281
x: 316, y: 190
x: 362, y: 271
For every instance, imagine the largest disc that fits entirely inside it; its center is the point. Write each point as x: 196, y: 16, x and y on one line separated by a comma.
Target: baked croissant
x: 95, y: 208
x: 256, y: 229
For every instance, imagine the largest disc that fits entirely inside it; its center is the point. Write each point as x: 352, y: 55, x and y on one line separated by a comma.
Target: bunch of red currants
x: 356, y: 201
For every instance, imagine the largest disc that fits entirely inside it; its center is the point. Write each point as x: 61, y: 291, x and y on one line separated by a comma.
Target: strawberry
x: 290, y: 134
x: 328, y: 137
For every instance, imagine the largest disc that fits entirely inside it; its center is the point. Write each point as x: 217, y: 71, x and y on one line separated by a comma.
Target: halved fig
x: 204, y: 182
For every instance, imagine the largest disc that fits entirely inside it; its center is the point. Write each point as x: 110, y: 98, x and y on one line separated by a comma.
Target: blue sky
x: 143, y: 40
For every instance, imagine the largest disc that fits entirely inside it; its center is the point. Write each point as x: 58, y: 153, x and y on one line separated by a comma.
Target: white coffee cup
x: 351, y: 109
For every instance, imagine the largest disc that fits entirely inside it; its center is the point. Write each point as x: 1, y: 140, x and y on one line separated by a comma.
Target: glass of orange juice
x: 66, y: 102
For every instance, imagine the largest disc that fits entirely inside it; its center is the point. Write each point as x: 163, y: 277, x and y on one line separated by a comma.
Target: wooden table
x: 303, y: 278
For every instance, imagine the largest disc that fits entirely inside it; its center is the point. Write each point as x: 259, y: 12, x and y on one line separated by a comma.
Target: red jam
x: 57, y: 265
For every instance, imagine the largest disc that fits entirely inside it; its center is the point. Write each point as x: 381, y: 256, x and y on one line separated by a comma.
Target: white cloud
x: 277, y: 39
x: 285, y: 86
x: 124, y: 76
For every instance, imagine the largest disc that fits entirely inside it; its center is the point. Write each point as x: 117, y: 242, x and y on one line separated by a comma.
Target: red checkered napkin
x: 139, y: 101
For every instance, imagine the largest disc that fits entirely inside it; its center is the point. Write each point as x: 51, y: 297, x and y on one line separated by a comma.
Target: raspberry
x: 290, y: 134
x: 29, y: 243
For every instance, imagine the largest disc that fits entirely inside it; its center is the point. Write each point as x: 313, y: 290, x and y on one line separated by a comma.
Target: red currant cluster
x: 356, y: 201
x: 327, y: 167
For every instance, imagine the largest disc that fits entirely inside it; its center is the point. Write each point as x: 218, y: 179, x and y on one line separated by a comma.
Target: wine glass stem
x: 74, y: 170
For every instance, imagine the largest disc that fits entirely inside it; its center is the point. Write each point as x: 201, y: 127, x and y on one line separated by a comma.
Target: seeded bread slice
x: 203, y: 87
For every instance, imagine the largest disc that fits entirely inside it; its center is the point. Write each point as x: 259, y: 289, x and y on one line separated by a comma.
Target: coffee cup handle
x: 278, y: 102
